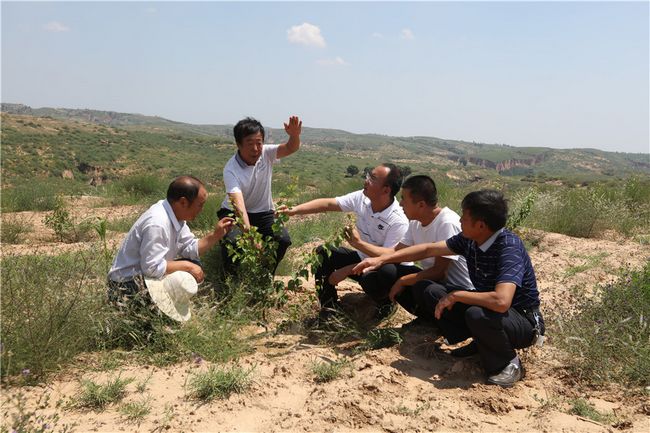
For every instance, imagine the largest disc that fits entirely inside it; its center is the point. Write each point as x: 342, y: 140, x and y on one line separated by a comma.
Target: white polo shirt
x: 445, y: 225
x: 253, y: 181
x: 384, y: 229
x: 157, y: 236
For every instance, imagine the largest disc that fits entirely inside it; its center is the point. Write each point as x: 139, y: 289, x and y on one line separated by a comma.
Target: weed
x: 218, y: 382
x: 121, y: 225
x: 65, y: 228
x: 606, y: 340
x: 164, y: 423
x: 522, y: 210
x: 406, y: 411
x: 381, y: 337
x: 590, y: 263
x: 142, y: 385
x: 25, y: 419
x: 584, y: 409
x: 136, y: 411
x: 94, y: 396
x: 11, y: 232
x: 327, y: 371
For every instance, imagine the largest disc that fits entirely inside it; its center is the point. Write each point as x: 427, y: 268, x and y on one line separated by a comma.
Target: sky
x: 552, y: 74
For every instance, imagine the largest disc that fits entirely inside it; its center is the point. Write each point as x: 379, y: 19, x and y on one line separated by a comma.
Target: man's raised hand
x: 223, y: 226
x: 294, y: 127
x: 285, y: 210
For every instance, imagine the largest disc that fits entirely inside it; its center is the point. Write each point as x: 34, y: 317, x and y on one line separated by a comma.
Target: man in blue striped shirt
x: 503, y: 313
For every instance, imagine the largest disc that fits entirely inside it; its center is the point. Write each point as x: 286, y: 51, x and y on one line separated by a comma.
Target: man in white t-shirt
x: 380, y: 222
x: 428, y: 223
x: 247, y: 177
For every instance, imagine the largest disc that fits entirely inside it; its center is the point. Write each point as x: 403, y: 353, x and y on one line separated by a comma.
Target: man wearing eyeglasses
x: 380, y: 222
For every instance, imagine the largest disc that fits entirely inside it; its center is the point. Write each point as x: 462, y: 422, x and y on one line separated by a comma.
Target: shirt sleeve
x: 231, y: 181
x: 457, y: 244
x: 408, y: 237
x: 271, y: 153
x: 447, y: 230
x: 511, y: 265
x: 350, y: 202
x: 153, y: 249
x: 188, y: 245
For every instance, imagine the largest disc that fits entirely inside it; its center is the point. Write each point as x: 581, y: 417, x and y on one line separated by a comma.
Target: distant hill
x: 503, y: 159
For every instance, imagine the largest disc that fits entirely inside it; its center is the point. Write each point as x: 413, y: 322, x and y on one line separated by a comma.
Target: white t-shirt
x: 253, y: 181
x: 384, y: 229
x: 444, y: 226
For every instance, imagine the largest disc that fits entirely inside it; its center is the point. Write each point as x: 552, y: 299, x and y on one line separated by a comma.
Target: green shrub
x: 97, y: 396
x: 327, y: 371
x: 64, y: 226
x: 607, y: 339
x: 12, y: 231
x: 218, y: 382
x: 30, y: 196
x: 50, y: 305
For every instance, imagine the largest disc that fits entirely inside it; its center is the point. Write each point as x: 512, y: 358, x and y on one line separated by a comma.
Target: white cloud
x: 337, y: 61
x: 306, y: 34
x: 407, y: 34
x: 377, y: 35
x: 55, y: 26
x: 151, y: 10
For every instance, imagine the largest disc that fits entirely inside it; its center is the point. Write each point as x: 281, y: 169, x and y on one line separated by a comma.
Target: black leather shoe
x: 508, y: 376
x: 465, y: 351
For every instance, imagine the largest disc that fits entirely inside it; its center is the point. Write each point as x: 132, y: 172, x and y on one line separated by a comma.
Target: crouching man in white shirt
x: 160, y: 242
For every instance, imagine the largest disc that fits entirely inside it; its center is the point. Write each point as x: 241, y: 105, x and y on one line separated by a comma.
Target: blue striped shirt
x: 500, y: 259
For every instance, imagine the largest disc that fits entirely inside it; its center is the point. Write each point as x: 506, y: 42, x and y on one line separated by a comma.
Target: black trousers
x: 377, y: 285
x: 497, y: 335
x: 337, y: 259
x: 264, y: 223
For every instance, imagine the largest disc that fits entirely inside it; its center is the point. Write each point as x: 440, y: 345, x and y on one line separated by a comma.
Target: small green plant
x: 11, y: 232
x: 136, y: 411
x: 382, y: 337
x: 141, y: 386
x: 327, y: 371
x: 95, y: 396
x: 60, y: 221
x: 583, y: 408
x: 218, y: 382
x: 406, y: 411
x: 101, y: 227
x: 21, y: 417
x: 521, y: 213
x: 590, y: 263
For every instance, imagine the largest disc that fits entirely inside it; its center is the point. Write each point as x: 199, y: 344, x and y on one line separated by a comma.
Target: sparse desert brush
x: 12, y: 231
x: 607, y: 337
x: 327, y: 371
x: 93, y: 395
x: 50, y: 305
x: 218, y: 382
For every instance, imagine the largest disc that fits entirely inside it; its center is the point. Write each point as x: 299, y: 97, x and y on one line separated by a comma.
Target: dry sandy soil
x: 405, y: 388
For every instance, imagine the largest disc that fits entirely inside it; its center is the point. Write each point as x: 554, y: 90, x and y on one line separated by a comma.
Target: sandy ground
x: 405, y: 388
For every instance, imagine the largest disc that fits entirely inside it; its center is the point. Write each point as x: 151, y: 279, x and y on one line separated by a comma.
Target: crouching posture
x: 159, y: 258
x: 502, y: 315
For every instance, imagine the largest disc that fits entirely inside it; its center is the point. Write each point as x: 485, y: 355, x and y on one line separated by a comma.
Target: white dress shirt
x: 157, y: 236
x: 383, y: 229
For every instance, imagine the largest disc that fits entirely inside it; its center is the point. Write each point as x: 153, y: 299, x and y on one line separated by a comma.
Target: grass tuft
x: 96, y: 396
x: 218, y: 382
x: 327, y: 371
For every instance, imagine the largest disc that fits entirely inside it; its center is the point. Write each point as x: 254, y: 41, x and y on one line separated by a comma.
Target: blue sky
x: 550, y: 74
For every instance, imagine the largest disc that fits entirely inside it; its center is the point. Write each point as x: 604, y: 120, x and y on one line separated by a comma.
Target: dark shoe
x: 465, y: 351
x: 384, y: 312
x: 508, y: 376
x: 419, y: 322
x: 324, y: 316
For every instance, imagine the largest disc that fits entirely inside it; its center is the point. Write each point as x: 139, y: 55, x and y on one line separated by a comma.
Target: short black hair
x: 184, y: 186
x: 422, y: 188
x: 487, y: 205
x: 246, y: 127
x: 393, y: 179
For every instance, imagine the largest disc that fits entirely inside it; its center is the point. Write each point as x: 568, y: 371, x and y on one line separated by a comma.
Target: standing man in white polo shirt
x: 247, y: 176
x: 380, y: 222
x: 160, y: 237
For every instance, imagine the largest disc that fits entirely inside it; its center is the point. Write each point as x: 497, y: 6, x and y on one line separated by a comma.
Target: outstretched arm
x: 409, y: 254
x: 314, y: 206
x: 293, y: 129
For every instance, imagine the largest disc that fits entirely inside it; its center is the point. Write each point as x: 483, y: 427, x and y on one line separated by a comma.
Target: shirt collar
x: 384, y: 213
x: 240, y: 161
x: 487, y: 244
x: 172, y: 217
